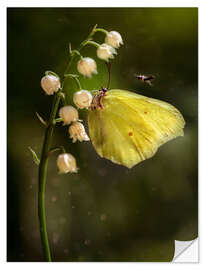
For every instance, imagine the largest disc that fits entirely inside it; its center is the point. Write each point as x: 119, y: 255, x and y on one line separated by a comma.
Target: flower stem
x: 90, y: 42
x: 42, y: 178
x: 47, y: 147
x: 72, y: 56
x: 74, y: 77
x: 101, y: 30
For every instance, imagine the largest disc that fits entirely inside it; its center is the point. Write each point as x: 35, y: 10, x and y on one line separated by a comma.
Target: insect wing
x: 131, y: 127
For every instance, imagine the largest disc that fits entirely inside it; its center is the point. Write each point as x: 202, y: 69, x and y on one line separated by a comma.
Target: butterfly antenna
x: 109, y: 73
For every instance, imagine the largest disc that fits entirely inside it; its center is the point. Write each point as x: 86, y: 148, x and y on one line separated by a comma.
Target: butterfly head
x: 96, y: 101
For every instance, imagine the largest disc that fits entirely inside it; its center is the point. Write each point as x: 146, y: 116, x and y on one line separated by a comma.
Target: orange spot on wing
x: 130, y: 133
x: 145, y: 112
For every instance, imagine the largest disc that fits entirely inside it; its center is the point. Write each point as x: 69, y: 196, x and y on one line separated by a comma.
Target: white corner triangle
x: 186, y: 251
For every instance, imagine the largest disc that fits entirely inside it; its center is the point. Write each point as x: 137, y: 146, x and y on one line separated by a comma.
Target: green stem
x: 45, y: 155
x: 59, y: 148
x: 101, y: 30
x: 74, y: 77
x: 42, y: 178
x: 72, y: 56
x: 58, y: 120
x: 63, y: 98
x: 95, y: 44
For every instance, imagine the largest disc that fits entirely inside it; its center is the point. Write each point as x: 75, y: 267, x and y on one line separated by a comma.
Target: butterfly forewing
x: 130, y: 127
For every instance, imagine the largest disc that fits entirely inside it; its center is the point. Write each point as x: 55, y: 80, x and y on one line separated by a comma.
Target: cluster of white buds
x: 87, y: 66
x: 82, y: 99
x: 66, y: 163
x: 77, y: 132
x: 107, y: 50
x: 50, y: 84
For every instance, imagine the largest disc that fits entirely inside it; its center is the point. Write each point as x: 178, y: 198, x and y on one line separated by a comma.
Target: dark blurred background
x: 106, y: 212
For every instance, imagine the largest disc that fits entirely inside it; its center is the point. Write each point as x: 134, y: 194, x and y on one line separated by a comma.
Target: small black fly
x: 146, y: 79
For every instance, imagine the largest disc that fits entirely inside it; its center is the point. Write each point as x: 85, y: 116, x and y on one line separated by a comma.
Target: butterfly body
x: 128, y: 128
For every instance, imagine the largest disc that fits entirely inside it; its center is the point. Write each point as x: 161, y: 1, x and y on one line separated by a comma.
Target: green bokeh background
x: 106, y: 212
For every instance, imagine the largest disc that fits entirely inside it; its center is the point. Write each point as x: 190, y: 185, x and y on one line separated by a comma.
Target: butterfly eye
x: 103, y: 89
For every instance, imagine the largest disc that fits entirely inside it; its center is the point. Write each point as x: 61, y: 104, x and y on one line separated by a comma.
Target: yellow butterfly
x: 128, y: 128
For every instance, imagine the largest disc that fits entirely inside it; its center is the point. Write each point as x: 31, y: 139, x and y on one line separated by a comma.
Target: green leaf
x: 34, y: 155
x: 41, y: 119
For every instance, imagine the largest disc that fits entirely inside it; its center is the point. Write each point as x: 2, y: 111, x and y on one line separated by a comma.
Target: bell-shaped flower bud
x: 68, y: 114
x: 87, y: 66
x: 77, y: 132
x: 82, y: 99
x: 50, y: 84
x: 105, y: 52
x: 114, y: 39
x: 66, y: 163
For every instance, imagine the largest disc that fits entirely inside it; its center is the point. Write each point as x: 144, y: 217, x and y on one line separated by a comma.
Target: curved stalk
x: 80, y: 47
x: 42, y: 178
x: 93, y: 43
x: 74, y: 77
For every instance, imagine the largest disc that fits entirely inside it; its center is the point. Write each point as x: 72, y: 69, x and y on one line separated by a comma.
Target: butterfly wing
x: 131, y: 127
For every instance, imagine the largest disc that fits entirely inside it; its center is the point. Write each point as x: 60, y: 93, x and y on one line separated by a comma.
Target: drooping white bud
x: 87, y: 66
x: 114, y: 39
x: 68, y: 114
x: 77, y: 132
x: 82, y: 99
x: 50, y: 84
x: 105, y: 52
x: 66, y: 163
